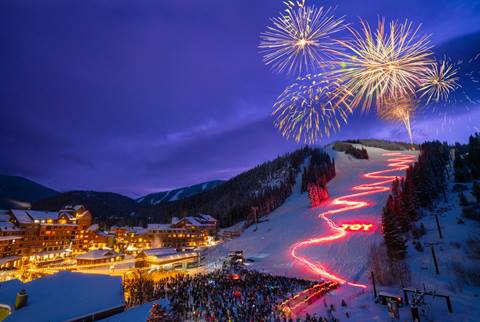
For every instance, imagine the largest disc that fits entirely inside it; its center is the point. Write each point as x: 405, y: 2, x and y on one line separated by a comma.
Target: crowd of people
x: 223, y: 296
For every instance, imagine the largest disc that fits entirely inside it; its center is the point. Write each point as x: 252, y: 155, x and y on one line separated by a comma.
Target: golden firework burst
x: 300, y: 39
x: 307, y: 110
x: 387, y: 62
x: 438, y: 82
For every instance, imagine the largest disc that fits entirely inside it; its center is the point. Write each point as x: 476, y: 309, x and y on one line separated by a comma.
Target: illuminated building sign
x: 357, y: 227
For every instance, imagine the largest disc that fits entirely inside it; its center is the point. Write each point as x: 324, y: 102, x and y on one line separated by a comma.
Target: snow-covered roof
x: 69, y: 214
x: 29, y: 216
x: 7, y: 259
x: 2, y: 238
x: 137, y: 313
x: 42, y: 215
x: 63, y: 296
x: 98, y: 254
x: 51, y: 252
x: 139, y: 230
x: 194, y: 221
x: 159, y: 251
x: 93, y: 227
x: 208, y: 217
x: 157, y: 226
x: 8, y: 226
x: 104, y: 234
x: 174, y: 257
x: 22, y: 216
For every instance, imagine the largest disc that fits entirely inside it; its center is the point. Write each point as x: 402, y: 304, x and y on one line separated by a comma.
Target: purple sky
x: 141, y: 96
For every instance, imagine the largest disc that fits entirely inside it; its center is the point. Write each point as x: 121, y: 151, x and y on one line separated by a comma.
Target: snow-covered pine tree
x: 409, y: 197
x: 474, y: 155
x: 396, y: 247
x: 398, y: 207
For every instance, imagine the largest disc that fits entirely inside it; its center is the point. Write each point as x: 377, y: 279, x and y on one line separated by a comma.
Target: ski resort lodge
x: 47, y: 237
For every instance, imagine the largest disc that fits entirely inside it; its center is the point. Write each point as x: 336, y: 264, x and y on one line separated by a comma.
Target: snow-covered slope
x: 270, y: 244
x: 458, y: 258
x: 177, y: 194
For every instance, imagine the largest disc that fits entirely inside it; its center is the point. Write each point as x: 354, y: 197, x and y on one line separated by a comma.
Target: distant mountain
x: 19, y: 192
x: 178, y: 194
x: 107, y: 207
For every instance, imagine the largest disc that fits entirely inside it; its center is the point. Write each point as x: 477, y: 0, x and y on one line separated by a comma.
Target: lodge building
x: 42, y: 237
x: 193, y: 231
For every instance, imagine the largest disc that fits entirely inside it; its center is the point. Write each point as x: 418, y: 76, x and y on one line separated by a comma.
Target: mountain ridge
x: 19, y: 192
x: 177, y: 194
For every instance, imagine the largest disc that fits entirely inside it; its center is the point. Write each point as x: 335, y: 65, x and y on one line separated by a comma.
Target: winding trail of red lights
x: 396, y: 162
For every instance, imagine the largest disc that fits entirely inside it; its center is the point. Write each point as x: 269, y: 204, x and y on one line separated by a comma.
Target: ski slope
x: 297, y: 240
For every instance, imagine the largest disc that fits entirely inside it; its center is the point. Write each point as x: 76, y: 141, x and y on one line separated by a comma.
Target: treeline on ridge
x: 351, y: 150
x: 256, y: 192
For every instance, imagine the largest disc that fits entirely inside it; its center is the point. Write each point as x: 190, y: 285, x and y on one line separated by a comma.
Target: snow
x: 138, y: 313
x: 98, y: 254
x: 63, y: 296
x: 269, y: 244
x: 449, y: 249
x: 176, y: 195
x: 159, y: 251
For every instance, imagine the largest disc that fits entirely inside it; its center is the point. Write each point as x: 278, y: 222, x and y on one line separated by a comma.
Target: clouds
x: 134, y: 96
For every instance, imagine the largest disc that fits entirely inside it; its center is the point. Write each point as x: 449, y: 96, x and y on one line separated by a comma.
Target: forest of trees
x: 467, y: 160
x: 256, y: 192
x: 383, y: 144
x: 424, y: 182
x: 320, y: 170
x: 467, y: 170
x: 351, y: 150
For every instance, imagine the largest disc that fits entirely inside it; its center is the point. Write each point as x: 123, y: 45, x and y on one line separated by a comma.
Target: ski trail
x: 396, y: 162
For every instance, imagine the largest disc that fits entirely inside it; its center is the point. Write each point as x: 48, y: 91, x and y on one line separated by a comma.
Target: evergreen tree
x: 474, y: 155
x: 462, y: 172
x: 398, y: 206
x: 317, y: 194
x: 410, y: 201
x: 463, y: 199
x: 396, y: 247
x: 476, y: 190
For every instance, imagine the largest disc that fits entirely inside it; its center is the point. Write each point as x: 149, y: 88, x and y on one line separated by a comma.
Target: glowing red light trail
x: 397, y: 162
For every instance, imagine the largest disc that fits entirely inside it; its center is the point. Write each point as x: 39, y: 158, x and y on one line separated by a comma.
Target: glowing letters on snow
x: 357, y: 227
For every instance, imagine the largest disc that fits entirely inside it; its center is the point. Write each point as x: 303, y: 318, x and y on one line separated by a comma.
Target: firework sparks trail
x: 399, y: 109
x: 300, y: 39
x: 307, y: 109
x: 439, y: 80
x: 380, y: 64
x: 396, y: 162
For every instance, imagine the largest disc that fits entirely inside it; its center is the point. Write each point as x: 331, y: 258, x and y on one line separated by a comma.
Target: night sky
x: 142, y: 96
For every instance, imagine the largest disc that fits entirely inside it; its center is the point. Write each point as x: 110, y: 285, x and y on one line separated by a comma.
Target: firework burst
x: 399, y: 109
x: 383, y: 63
x: 300, y: 39
x: 438, y: 82
x: 306, y: 110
